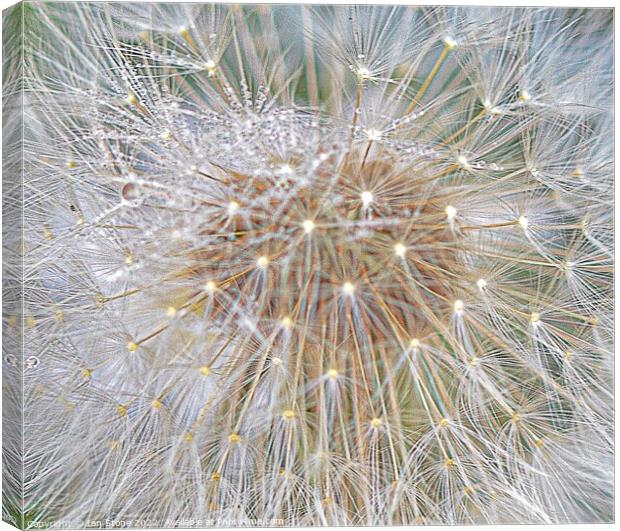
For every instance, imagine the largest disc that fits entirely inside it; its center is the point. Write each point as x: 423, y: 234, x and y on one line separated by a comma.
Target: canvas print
x: 306, y: 265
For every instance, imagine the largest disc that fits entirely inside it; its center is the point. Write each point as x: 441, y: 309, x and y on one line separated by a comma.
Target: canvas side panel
x: 12, y: 264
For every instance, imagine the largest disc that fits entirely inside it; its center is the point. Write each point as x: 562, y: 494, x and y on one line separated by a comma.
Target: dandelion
x: 345, y: 265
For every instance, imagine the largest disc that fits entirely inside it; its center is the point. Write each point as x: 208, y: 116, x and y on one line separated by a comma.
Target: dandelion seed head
x: 363, y: 73
x: 285, y: 169
x: 210, y: 286
x: 179, y: 161
x: 348, y: 288
x: 367, y: 198
x: 373, y: 134
x: 308, y: 226
x: 450, y: 212
x: 449, y: 42
x: 400, y: 250
x: 233, y: 206
x: 286, y: 322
